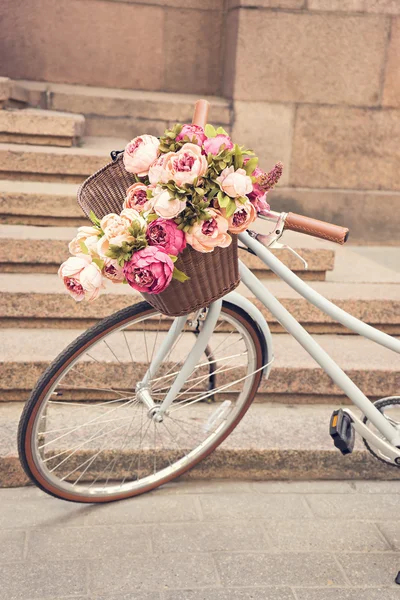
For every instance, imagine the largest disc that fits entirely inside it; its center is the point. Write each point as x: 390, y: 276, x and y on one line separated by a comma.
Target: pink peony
x: 185, y: 165
x: 156, y: 171
x: 204, y: 236
x: 82, y: 277
x: 165, y: 205
x: 242, y: 217
x: 165, y: 234
x: 89, y: 236
x: 116, y: 227
x: 140, y: 154
x: 113, y: 271
x: 235, y: 183
x: 214, y: 145
x: 149, y: 270
x: 136, y: 197
x: 195, y: 133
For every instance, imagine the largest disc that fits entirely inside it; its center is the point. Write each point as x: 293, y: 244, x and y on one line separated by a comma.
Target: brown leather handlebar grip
x: 200, y: 114
x: 319, y: 229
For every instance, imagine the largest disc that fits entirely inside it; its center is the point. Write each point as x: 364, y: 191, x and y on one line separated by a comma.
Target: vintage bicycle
x: 140, y: 398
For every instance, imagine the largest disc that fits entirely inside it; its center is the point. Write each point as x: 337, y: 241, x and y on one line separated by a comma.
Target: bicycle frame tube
x: 195, y: 353
x: 308, y: 342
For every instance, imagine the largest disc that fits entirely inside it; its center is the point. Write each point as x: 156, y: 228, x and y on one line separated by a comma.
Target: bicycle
x: 87, y: 436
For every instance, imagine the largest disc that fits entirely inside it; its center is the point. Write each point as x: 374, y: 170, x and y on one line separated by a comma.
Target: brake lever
x: 276, y: 244
x: 271, y: 240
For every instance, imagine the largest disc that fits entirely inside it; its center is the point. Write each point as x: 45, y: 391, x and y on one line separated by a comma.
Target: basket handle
x: 200, y: 114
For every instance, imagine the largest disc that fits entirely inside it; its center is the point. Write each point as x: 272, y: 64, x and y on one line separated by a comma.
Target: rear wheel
x: 85, y: 436
x: 390, y: 408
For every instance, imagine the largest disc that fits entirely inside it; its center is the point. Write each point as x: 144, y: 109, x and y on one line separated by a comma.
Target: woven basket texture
x: 212, y: 275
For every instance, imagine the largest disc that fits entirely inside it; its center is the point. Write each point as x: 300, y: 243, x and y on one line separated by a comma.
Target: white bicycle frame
x: 390, y: 445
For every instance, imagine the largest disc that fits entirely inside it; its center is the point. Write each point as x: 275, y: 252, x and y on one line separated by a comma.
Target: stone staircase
x: 45, y: 152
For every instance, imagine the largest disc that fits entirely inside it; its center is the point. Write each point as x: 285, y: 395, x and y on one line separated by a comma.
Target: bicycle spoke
x: 98, y: 447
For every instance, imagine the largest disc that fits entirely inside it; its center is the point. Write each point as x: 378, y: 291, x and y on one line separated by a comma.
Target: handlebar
x: 301, y: 224
x: 319, y: 229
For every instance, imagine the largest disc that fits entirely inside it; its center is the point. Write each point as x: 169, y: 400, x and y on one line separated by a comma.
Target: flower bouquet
x: 165, y: 214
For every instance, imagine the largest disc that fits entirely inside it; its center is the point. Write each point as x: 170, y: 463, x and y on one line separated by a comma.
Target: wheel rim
x: 390, y: 408
x: 96, y: 440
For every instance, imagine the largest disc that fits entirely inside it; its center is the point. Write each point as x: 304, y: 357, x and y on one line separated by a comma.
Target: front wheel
x: 85, y: 436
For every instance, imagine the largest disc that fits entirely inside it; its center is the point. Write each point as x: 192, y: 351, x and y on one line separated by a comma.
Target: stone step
x: 295, y: 377
x: 12, y: 94
x: 116, y: 112
x: 46, y: 163
x: 272, y: 442
x: 40, y: 127
x: 40, y: 203
x: 39, y: 300
x: 42, y: 249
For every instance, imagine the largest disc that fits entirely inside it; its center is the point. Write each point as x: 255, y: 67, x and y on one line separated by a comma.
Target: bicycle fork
x: 143, y: 387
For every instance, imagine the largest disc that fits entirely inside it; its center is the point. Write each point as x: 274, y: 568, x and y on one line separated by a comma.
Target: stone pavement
x: 218, y: 540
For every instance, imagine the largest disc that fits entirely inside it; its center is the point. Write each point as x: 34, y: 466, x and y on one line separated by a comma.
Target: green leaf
x: 221, y: 130
x: 242, y: 199
x: 179, y: 275
x: 83, y: 247
x: 238, y: 157
x: 99, y: 263
x: 200, y: 191
x: 152, y: 217
x: 210, y: 131
x: 149, y: 194
x: 173, y: 257
x: 223, y: 200
x: 251, y: 165
x: 94, y: 219
x: 231, y: 208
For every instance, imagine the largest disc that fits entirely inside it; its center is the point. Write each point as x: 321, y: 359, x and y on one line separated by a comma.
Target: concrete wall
x: 169, y: 45
x: 314, y: 83
x: 317, y: 84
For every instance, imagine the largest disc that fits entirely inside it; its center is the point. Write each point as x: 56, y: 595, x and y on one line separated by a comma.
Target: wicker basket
x: 212, y: 275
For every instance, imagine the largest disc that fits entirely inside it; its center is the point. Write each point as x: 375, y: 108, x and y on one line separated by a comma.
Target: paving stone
x: 254, y: 507
x: 380, y: 507
x: 239, y: 570
x: 302, y: 487
x: 320, y: 536
x: 391, y: 531
x: 94, y: 542
x: 48, y: 580
x: 142, y: 595
x: 11, y: 545
x: 347, y: 594
x: 370, y: 569
x: 266, y: 593
x: 376, y: 487
x: 162, y: 572
x: 303, y: 53
x: 215, y: 486
x: 353, y: 148
x: 40, y: 511
x: 209, y: 537
x: 145, y: 509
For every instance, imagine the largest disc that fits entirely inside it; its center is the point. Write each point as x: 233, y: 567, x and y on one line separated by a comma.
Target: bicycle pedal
x: 342, y: 431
